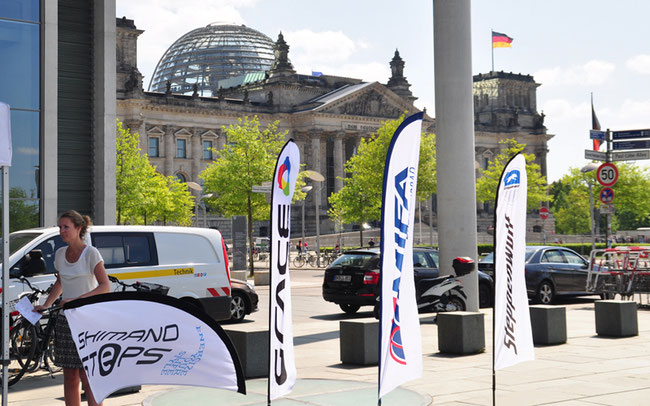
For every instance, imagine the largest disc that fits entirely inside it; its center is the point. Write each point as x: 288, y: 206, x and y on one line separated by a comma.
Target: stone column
x: 318, y: 186
x: 455, y: 139
x: 338, y: 161
x: 170, y: 151
x: 197, y: 154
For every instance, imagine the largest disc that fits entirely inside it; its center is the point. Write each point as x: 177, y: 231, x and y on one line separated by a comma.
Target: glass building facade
x: 204, y: 56
x: 20, y: 88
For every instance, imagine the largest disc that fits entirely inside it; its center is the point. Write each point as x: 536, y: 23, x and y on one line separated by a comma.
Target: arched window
x: 181, y: 177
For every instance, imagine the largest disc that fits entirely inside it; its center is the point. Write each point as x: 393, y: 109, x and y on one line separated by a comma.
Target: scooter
x: 445, y: 293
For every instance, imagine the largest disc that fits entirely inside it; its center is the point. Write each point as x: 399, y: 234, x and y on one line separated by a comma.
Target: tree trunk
x: 361, y: 235
x: 250, y: 238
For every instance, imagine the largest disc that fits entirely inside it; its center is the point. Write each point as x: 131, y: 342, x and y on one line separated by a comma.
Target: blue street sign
x: 607, y: 195
x: 642, y: 144
x: 598, y: 135
x: 628, y: 134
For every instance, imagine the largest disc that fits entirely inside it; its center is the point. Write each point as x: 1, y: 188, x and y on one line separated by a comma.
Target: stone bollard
x: 359, y: 341
x: 241, y: 275
x: 262, y: 278
x: 548, y: 324
x: 461, y: 333
x: 252, y: 346
x: 616, y: 318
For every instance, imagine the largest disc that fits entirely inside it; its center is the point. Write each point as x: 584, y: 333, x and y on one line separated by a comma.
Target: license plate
x: 342, y: 278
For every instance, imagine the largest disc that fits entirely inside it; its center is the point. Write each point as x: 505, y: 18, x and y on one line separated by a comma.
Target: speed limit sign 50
x: 607, y: 174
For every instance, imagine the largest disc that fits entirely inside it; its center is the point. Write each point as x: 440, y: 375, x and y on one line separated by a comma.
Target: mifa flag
x: 401, y: 350
x: 513, y: 333
x: 282, y: 365
x: 132, y: 338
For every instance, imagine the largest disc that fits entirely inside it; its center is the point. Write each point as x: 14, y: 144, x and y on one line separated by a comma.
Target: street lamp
x: 591, y: 166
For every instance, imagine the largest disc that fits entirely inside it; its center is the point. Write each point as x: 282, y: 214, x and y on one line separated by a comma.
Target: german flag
x: 500, y: 40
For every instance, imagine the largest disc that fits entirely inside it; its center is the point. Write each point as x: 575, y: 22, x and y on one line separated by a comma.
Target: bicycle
x: 300, y: 260
x: 146, y: 287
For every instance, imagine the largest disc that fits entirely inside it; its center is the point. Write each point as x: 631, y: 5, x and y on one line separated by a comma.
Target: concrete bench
x: 461, y: 333
x: 262, y: 278
x: 359, y: 341
x: 548, y: 324
x: 252, y: 345
x: 616, y: 318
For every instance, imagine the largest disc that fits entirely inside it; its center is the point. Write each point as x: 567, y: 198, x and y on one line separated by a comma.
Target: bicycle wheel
x: 299, y: 261
x: 22, y: 346
x: 312, y: 260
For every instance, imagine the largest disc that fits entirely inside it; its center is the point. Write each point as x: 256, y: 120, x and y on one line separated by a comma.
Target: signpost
x: 595, y: 155
x: 598, y: 135
x: 638, y: 144
x: 629, y: 134
x: 607, y: 174
x: 631, y: 155
x: 607, y: 195
x: 543, y: 213
x: 607, y: 209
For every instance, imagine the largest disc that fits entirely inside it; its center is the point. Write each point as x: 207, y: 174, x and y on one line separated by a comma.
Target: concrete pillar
x: 105, y: 112
x: 197, y: 155
x: 455, y: 138
x: 339, y: 161
x: 318, y: 186
x: 170, y: 151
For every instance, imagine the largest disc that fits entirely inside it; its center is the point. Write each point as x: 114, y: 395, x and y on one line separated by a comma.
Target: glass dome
x: 206, y: 55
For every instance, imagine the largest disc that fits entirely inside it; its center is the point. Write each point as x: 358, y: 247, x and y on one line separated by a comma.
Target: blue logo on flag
x: 512, y: 178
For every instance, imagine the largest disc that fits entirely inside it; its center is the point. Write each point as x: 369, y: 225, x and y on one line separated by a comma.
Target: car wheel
x: 349, y: 308
x: 545, y: 293
x: 484, y: 295
x: 237, y: 308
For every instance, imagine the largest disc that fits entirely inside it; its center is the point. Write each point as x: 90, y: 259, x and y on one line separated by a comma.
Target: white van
x: 192, y: 262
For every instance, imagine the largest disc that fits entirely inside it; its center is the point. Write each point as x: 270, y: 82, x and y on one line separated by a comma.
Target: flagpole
x: 492, y: 46
x: 494, y: 280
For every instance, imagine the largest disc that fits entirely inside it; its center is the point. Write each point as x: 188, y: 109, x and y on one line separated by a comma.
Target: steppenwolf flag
x: 132, y: 338
x: 513, y: 333
x: 401, y: 349
x: 282, y: 365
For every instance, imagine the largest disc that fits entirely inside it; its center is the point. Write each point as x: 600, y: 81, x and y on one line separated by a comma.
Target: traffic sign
x: 598, y: 135
x: 607, y: 195
x: 543, y: 213
x: 631, y: 155
x: 626, y: 135
x: 640, y: 144
x: 607, y: 209
x: 595, y: 155
x: 607, y: 174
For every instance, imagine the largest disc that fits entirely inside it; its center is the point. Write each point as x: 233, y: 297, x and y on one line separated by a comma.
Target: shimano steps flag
x: 401, y: 349
x: 513, y: 337
x: 132, y: 338
x: 282, y: 365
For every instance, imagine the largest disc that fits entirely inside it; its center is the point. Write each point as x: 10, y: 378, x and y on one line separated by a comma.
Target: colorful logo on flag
x: 283, y: 176
x: 396, y: 346
x: 512, y: 178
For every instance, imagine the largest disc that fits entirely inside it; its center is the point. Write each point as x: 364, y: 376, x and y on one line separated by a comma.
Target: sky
x: 572, y: 48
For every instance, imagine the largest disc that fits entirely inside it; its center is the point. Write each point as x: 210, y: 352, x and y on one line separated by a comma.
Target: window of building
x: 207, y: 150
x: 181, y: 177
x: 20, y: 87
x: 181, y: 148
x: 154, y: 147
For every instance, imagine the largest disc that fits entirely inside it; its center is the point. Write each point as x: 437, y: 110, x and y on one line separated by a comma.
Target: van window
x: 126, y: 249
x: 28, y: 266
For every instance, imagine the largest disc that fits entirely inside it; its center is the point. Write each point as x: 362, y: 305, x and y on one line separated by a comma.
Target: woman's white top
x: 78, y: 277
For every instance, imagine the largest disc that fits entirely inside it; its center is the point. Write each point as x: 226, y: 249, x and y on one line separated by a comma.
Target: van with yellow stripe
x: 192, y: 262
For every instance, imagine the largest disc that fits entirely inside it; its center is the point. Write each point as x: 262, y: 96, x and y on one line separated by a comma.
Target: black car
x: 352, y: 280
x: 486, y: 264
x: 244, y: 300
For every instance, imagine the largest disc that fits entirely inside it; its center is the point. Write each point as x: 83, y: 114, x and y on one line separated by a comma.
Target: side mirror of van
x: 34, y: 264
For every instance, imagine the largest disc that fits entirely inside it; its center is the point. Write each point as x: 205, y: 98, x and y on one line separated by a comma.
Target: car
x: 553, y: 271
x: 352, y: 280
x: 244, y: 300
x: 486, y: 264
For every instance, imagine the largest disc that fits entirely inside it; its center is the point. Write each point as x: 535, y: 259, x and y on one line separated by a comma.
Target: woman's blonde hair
x: 78, y: 220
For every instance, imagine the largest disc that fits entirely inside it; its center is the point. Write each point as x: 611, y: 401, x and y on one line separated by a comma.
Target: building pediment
x: 155, y: 131
x: 183, y: 132
x: 369, y: 100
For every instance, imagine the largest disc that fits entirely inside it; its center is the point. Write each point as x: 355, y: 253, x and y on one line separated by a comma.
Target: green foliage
x: 142, y: 194
x: 487, y: 184
x: 360, y: 198
x: 631, y: 199
x: 247, y: 160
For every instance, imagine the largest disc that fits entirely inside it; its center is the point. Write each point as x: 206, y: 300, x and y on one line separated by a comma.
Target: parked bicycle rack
x: 621, y: 270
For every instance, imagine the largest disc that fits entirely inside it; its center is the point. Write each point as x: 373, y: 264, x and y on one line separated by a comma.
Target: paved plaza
x: 587, y: 370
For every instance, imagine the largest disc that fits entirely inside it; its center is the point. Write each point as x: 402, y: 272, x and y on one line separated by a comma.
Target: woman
x: 80, y: 273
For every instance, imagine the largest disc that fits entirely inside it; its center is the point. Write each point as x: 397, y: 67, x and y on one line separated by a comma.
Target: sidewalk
x: 587, y: 370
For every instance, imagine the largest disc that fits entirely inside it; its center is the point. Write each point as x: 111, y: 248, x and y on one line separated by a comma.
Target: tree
x: 247, y: 160
x: 23, y: 212
x: 631, y: 199
x: 142, y: 194
x: 359, y: 200
x: 487, y: 184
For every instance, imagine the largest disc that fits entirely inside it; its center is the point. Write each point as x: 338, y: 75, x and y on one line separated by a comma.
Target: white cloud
x: 594, y: 72
x: 639, y: 64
